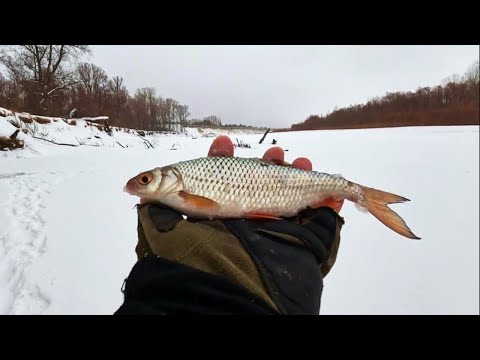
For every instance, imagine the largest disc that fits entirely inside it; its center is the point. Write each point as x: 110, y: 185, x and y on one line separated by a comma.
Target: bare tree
x: 153, y: 110
x: 93, y: 80
x: 182, y: 114
x: 452, y: 79
x: 3, y: 89
x: 92, y: 77
x: 212, y: 120
x: 169, y: 113
x: 207, y: 120
x: 42, y: 70
x: 139, y: 109
x: 119, y: 94
x: 146, y: 109
x: 472, y: 73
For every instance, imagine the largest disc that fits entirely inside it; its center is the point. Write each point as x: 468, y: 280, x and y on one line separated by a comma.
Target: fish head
x: 155, y: 185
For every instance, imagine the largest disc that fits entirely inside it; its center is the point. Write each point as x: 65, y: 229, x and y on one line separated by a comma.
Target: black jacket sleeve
x: 158, y: 286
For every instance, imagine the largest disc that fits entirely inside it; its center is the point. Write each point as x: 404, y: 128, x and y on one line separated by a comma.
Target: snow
x: 97, y: 118
x: 6, y: 129
x: 68, y: 231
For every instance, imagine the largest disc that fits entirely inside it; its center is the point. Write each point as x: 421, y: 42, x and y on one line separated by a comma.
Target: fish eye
x: 145, y: 179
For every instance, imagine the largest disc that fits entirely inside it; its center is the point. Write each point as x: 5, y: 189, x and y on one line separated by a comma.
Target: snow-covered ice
x: 68, y: 232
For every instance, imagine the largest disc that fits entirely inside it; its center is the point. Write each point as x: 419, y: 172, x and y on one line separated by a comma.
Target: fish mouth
x: 130, y: 187
x: 130, y: 192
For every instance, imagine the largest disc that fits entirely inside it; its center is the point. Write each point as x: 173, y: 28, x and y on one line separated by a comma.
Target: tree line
x: 52, y: 80
x: 454, y: 102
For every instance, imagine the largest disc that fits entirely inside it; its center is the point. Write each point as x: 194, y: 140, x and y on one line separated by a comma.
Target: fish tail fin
x: 376, y: 202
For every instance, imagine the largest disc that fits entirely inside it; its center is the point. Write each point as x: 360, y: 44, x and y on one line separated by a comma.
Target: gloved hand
x: 276, y: 265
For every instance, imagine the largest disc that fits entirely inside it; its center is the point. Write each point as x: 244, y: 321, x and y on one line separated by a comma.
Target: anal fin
x: 328, y: 202
x: 259, y: 215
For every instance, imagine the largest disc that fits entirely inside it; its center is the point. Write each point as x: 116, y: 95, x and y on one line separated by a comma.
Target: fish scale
x: 256, y: 185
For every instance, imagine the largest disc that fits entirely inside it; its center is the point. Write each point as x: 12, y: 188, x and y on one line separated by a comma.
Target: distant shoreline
x: 382, y: 126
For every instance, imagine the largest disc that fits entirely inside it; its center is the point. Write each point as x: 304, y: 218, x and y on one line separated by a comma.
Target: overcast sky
x: 279, y: 85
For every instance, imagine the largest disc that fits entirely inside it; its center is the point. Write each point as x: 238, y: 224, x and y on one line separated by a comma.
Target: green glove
x: 282, y: 262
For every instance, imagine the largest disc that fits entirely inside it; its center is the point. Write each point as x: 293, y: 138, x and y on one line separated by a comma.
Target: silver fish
x: 233, y: 187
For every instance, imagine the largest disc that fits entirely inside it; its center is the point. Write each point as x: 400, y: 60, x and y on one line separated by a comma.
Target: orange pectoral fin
x: 197, y: 201
x: 256, y: 215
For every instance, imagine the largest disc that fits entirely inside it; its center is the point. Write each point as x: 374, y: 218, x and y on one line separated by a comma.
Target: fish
x: 251, y: 188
